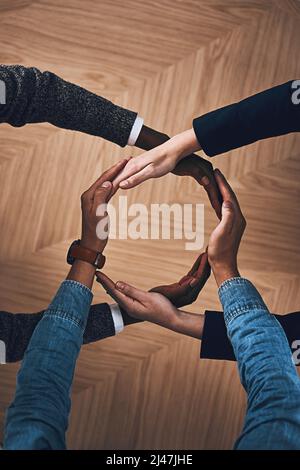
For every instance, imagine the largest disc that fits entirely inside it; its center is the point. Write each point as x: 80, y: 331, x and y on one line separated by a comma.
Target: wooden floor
x: 171, y: 60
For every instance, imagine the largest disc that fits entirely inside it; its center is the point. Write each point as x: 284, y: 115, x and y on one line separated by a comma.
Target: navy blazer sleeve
x: 270, y: 113
x: 216, y: 345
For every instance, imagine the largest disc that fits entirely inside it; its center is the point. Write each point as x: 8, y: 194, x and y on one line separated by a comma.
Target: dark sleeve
x: 267, y: 114
x: 16, y: 329
x: 99, y: 325
x: 33, y: 96
x: 216, y: 345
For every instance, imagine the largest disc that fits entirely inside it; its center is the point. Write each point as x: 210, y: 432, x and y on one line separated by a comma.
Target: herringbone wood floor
x: 170, y: 60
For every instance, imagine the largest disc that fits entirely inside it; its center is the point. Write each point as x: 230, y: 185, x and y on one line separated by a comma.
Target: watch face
x: 70, y: 258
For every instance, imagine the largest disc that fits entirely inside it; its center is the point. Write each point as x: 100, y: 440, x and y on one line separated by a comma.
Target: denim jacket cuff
x: 238, y: 295
x: 72, y: 302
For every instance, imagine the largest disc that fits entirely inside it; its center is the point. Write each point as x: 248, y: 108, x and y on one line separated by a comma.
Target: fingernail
x: 193, y: 282
x: 106, y: 184
x: 217, y: 171
x: 205, y: 181
x: 123, y: 184
x: 119, y: 285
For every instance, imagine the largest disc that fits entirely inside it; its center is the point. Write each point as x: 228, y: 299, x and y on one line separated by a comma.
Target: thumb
x: 131, y: 291
x: 227, y: 215
x: 103, y: 192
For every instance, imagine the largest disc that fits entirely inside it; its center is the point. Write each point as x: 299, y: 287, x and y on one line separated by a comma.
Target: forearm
x: 267, y: 114
x: 189, y: 324
x: 33, y: 96
x: 38, y: 416
x: 246, y: 316
x: 16, y: 329
x: 265, y: 365
x: 186, y: 323
x: 216, y: 344
x: 82, y: 272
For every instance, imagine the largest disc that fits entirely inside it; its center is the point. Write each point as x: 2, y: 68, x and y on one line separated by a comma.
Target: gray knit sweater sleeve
x: 16, y: 329
x: 33, y: 96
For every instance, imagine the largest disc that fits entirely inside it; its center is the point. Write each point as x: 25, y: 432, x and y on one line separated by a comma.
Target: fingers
x: 171, y: 291
x: 213, y: 193
x: 133, y: 166
x: 228, y: 216
x: 231, y: 211
x: 102, y: 194
x: 138, y: 178
x: 121, y: 290
x: 111, y: 289
x: 103, y: 184
x: 105, y: 281
x: 187, y: 289
x: 176, y: 293
x: 203, y: 271
x: 225, y: 189
x: 194, y: 268
x: 131, y: 291
x: 108, y: 175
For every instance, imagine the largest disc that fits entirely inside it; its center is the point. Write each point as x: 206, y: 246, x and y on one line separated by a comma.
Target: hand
x: 225, y: 240
x: 186, y: 291
x: 202, y: 171
x: 158, y: 161
x: 149, y: 306
x: 99, y: 193
x: 153, y: 307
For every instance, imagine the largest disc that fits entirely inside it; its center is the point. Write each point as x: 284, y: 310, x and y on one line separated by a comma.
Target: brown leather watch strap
x: 85, y: 254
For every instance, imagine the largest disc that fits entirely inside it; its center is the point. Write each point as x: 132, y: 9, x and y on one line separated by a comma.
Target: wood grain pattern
x: 170, y: 60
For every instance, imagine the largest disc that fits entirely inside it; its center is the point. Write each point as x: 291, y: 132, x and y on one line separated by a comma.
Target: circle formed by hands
x: 161, y: 303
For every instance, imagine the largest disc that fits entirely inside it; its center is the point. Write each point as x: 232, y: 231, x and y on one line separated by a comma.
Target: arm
x: 161, y: 302
x: 266, y: 369
x: 106, y: 320
x: 192, y: 165
x: 16, y: 329
x: 215, y: 343
x: 33, y: 96
x: 264, y: 358
x: 270, y: 113
x: 153, y: 307
x: 38, y: 416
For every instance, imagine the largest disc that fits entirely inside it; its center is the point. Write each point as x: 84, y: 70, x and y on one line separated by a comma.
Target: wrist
x: 184, y: 143
x: 93, y: 244
x: 82, y: 272
x: 189, y: 324
x: 81, y: 265
x: 174, y: 321
x: 223, y: 273
x: 150, y: 138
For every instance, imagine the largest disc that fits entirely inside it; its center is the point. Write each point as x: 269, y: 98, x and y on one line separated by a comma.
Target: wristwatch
x: 85, y: 254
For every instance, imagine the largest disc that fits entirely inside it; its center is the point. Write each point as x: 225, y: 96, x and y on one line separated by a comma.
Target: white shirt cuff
x: 135, y: 131
x: 117, y: 318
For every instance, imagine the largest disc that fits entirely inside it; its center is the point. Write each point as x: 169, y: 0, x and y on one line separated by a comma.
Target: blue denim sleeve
x: 266, y: 368
x: 38, y: 415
